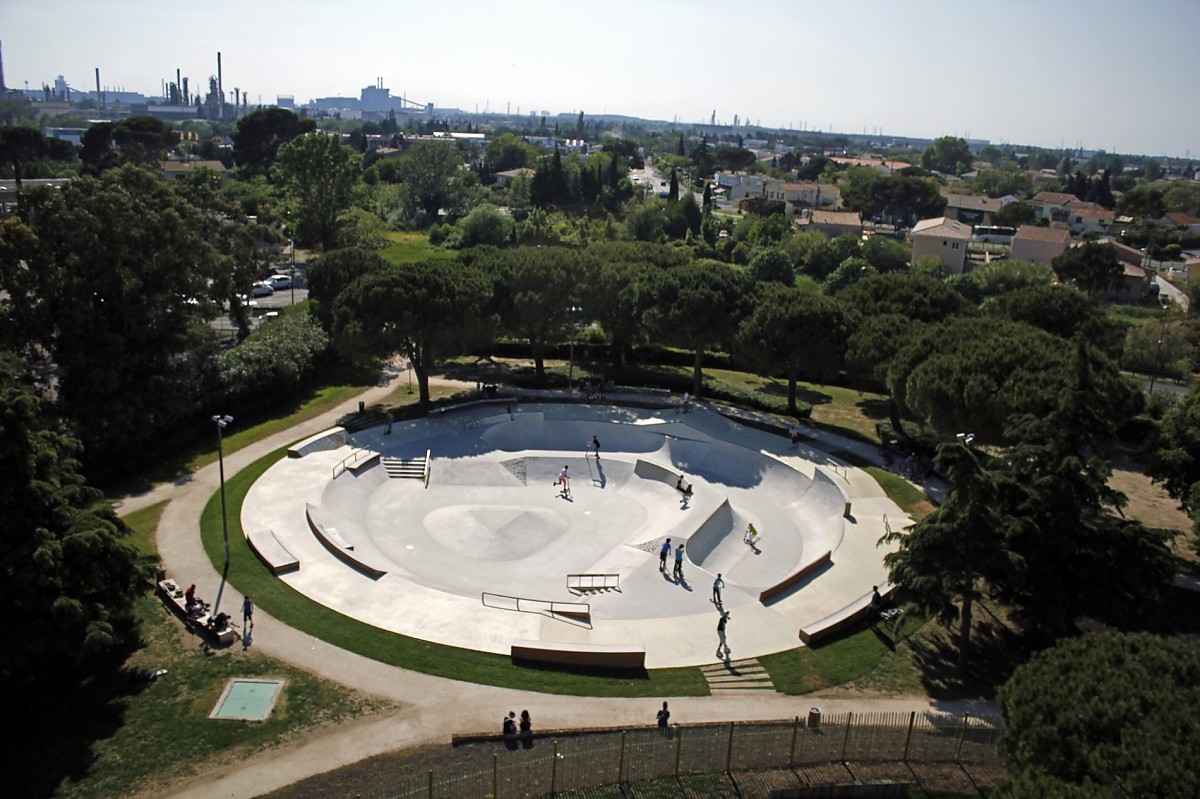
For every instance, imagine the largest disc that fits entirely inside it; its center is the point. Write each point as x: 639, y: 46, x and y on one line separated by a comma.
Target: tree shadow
x: 996, y: 651
x: 778, y: 388
x: 876, y: 409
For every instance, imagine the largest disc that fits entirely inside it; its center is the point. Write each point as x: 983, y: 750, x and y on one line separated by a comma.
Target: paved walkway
x: 430, y: 708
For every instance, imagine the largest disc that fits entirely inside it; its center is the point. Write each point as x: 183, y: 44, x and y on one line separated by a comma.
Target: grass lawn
x: 126, y: 735
x: 406, y: 247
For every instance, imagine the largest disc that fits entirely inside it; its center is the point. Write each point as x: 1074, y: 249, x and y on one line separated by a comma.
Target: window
x: 954, y: 246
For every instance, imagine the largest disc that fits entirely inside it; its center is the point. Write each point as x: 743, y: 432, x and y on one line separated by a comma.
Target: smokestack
x: 179, y: 85
x: 2, y: 86
x: 99, y: 96
x: 187, y: 100
x: 220, y: 90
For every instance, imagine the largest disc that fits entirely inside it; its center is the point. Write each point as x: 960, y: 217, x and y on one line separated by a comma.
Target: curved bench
x: 332, y: 438
x: 340, y: 547
x: 459, y: 406
x: 853, y: 613
x: 783, y: 585
x: 272, y: 552
x: 614, y: 656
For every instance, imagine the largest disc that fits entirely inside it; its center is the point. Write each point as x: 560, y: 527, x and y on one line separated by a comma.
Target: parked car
x: 279, y: 282
x: 262, y: 289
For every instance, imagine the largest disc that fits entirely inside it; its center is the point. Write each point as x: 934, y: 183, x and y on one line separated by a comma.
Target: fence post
x: 912, y: 720
x: 729, y: 749
x: 495, y: 776
x: 846, y: 737
x: 795, y: 735
x: 961, y: 735
x: 431, y: 784
x: 678, y: 749
x: 554, y: 770
x: 621, y: 761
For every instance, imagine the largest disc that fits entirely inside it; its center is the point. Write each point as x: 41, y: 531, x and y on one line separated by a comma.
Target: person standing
x: 662, y: 555
x: 722, y: 644
x: 679, y: 563
x: 390, y: 419
x: 526, y: 730
x: 565, y: 482
x: 247, y: 614
x: 718, y: 584
x: 596, y: 446
x: 664, y: 718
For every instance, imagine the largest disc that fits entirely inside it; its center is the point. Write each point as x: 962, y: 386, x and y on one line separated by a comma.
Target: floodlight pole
x: 571, y: 311
x: 221, y: 421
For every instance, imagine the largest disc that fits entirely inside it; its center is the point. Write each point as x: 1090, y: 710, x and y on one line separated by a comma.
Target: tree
x: 143, y: 140
x: 1143, y: 201
x: 849, y: 272
x: 508, y: 151
x: 70, y: 572
x: 485, y: 225
x: 1175, y: 451
x: 259, y: 135
x: 20, y: 147
x: 772, y: 265
x: 885, y: 255
x: 1152, y: 169
x: 918, y: 297
x: 424, y: 311
x: 1056, y: 308
x: 318, y: 174
x: 948, y: 155
x: 537, y: 287
x: 1104, y: 715
x: 699, y: 305
x: 617, y: 298
x: 1015, y: 215
x: 334, y: 272
x: 733, y: 159
x: 941, y: 561
x: 799, y: 333
x: 673, y: 192
x: 1093, y: 267
x: 113, y: 291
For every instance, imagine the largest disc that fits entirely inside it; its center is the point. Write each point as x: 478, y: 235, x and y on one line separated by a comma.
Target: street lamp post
x: 292, y: 246
x: 221, y: 421
x: 571, y: 311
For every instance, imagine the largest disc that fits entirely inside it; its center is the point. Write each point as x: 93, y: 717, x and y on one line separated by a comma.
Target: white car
x: 279, y: 282
x: 262, y: 289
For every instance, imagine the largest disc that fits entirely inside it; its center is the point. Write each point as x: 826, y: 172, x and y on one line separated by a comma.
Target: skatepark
x: 478, y: 547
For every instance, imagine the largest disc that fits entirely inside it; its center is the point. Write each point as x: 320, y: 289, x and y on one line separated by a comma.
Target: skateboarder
x: 565, y: 482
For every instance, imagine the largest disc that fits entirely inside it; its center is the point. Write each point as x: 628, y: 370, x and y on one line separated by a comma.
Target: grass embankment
x: 406, y: 247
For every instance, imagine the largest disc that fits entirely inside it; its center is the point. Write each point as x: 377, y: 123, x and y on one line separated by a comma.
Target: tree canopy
x: 318, y: 174
x: 259, y: 135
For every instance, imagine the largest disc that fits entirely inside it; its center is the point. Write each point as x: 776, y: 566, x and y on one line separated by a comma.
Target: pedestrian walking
x: 596, y: 446
x: 247, y: 614
x: 679, y: 562
x: 390, y: 419
x: 718, y: 584
x: 664, y: 718
x: 662, y: 555
x: 722, y: 644
x: 565, y: 482
x: 876, y: 605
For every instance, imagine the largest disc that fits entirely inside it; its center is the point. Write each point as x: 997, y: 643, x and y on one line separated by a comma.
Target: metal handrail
x: 565, y: 608
x: 352, y: 458
x: 426, y: 471
x: 591, y: 578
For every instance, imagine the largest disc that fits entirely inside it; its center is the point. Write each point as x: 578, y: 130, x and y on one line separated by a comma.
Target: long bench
x: 616, y: 656
x: 340, y: 547
x: 272, y: 551
x: 173, y: 597
x: 783, y: 585
x: 834, y: 623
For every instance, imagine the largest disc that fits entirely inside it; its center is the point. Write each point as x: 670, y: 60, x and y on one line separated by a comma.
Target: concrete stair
x: 737, y: 677
x: 412, y: 468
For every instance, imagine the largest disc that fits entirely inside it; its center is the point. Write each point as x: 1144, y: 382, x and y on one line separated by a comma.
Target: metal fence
x: 575, y: 762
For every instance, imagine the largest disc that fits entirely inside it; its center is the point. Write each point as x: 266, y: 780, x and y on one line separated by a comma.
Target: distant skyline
x: 1099, y: 74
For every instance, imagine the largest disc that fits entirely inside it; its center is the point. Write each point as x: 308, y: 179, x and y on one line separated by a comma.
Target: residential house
x: 830, y: 223
x: 1091, y: 220
x: 797, y: 196
x: 943, y: 238
x: 178, y: 170
x: 884, y: 166
x: 1054, y: 206
x: 1126, y: 254
x: 1039, y: 245
x: 1133, y: 286
x: 972, y: 209
x: 751, y: 186
x: 508, y: 175
x: 1181, y: 220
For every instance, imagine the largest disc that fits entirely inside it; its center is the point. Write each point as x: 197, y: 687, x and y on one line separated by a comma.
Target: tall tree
x: 19, y: 147
x: 70, y: 572
x: 1093, y: 267
x: 318, y: 174
x: 942, y: 560
x: 259, y: 135
x: 423, y: 311
x: 802, y: 334
x: 333, y: 273
x: 949, y: 155
x: 699, y: 305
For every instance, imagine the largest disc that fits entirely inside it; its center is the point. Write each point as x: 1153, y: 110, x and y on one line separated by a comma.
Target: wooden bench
x: 173, y: 597
x: 340, y: 547
x: 834, y: 623
x: 272, y: 551
x: 616, y: 656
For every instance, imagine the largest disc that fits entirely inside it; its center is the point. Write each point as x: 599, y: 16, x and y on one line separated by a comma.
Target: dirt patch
x: 1150, y: 505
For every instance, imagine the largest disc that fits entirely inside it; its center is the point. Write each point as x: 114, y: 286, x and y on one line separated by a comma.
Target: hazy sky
x: 1122, y: 76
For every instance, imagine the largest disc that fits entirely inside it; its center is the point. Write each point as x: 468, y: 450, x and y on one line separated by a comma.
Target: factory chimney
x: 187, y: 100
x: 179, y: 86
x: 220, y: 90
x: 99, y: 96
x: 2, y: 86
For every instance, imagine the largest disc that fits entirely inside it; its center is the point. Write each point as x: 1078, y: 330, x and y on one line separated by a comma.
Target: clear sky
x: 1121, y: 76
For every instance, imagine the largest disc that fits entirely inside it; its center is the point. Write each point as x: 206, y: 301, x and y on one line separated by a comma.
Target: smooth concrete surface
x: 492, y: 521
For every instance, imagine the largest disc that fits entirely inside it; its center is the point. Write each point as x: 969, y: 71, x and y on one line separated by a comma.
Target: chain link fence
x: 575, y: 762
